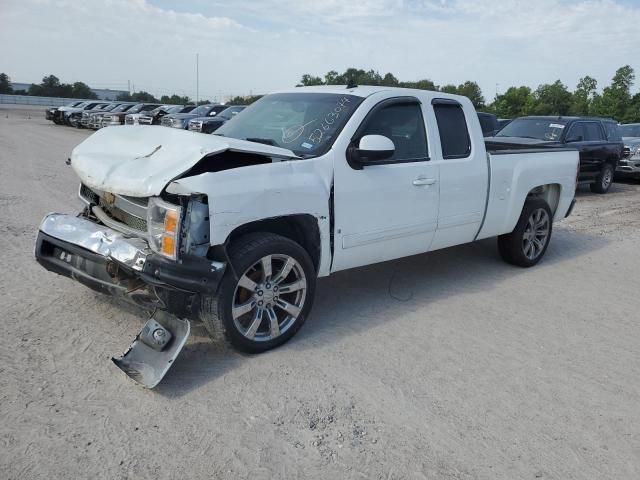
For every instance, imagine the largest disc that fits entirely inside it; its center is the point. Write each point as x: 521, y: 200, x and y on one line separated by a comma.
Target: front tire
x: 270, y: 300
x: 603, y: 180
x: 528, y: 242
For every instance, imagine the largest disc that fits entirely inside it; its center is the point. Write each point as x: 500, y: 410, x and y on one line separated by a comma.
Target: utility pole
x: 197, y: 79
x: 129, y: 87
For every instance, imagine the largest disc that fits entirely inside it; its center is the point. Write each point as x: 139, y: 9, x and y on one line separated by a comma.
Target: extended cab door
x: 464, y: 173
x: 386, y: 209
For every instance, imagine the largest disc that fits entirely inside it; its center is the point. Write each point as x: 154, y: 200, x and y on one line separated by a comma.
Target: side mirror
x: 577, y: 138
x: 371, y: 149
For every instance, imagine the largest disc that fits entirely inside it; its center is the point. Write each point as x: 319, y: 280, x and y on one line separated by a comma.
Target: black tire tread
x: 596, y: 187
x: 211, y: 310
x: 510, y: 244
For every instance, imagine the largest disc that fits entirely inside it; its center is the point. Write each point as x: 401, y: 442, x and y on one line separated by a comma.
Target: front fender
x: 243, y: 195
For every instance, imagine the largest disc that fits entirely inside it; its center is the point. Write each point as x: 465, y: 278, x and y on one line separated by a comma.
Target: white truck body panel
x: 140, y: 161
x: 380, y: 212
x: 258, y: 192
x: 514, y: 175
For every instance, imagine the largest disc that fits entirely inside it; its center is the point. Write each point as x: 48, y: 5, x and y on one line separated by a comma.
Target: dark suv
x: 597, y: 139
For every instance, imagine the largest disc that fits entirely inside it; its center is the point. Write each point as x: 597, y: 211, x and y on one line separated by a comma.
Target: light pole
x: 197, y: 80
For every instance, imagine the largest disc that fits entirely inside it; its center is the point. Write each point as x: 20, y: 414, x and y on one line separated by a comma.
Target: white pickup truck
x: 234, y: 228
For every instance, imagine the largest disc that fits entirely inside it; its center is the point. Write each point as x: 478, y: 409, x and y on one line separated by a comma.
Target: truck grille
x: 88, y: 194
x: 166, y: 122
x: 195, y: 126
x: 128, y: 121
x: 112, y: 208
x: 145, y: 120
x: 124, y: 217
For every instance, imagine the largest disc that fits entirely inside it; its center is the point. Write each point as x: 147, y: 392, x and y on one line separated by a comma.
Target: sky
x: 258, y: 46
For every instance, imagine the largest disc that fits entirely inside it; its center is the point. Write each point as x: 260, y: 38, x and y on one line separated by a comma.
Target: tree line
x: 615, y: 101
x: 51, y: 87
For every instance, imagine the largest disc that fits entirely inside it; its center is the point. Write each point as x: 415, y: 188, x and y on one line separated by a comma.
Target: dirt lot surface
x: 449, y: 365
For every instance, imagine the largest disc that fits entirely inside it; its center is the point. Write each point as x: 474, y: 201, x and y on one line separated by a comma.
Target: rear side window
x: 454, y: 135
x: 613, y: 132
x: 594, y: 132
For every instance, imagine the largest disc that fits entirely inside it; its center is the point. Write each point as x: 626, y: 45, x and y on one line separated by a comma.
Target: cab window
x: 404, y: 125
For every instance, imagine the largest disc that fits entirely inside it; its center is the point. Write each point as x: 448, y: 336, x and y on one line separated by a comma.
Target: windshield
x: 201, y: 111
x: 136, y: 108
x: 121, y: 108
x: 305, y: 123
x: 186, y: 109
x: 537, y: 128
x: 630, y: 130
x: 229, y: 113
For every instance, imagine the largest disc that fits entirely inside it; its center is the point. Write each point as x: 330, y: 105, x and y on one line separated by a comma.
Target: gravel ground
x: 448, y: 365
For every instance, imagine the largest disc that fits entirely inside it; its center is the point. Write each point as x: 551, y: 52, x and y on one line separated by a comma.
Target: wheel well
x: 550, y: 193
x: 302, y: 229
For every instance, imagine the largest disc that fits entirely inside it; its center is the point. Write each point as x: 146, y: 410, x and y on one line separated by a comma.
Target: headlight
x: 163, y: 226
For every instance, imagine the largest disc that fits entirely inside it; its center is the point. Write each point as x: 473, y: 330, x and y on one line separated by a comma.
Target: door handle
x: 420, y: 181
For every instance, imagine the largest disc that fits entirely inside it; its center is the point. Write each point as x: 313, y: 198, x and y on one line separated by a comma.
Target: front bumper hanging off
x: 113, y: 263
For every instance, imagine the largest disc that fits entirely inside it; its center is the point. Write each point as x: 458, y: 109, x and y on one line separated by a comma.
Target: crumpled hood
x: 140, y: 161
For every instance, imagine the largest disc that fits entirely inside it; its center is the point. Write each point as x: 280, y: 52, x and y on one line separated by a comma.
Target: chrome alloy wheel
x: 269, y: 297
x: 536, y: 234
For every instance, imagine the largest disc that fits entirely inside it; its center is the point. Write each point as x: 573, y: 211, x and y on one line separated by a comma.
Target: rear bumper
x: 108, y: 262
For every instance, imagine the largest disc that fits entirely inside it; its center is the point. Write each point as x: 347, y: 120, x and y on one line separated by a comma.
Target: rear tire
x: 603, y: 180
x: 527, y: 243
x: 254, y: 313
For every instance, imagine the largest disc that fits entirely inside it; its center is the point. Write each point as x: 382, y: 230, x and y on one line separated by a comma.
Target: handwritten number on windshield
x: 291, y: 134
x: 329, y: 119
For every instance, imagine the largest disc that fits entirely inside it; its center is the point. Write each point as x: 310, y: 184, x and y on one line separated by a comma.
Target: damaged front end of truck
x: 136, y: 241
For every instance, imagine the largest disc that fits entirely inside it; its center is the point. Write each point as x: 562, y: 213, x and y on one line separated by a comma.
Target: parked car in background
x: 181, y: 120
x: 117, y: 118
x: 234, y: 230
x: 629, y: 166
x: 154, y: 117
x: 63, y: 113
x: 211, y: 124
x: 86, y: 115
x: 50, y: 113
x: 488, y: 123
x: 73, y: 116
x: 503, y: 122
x: 597, y: 139
x: 95, y: 119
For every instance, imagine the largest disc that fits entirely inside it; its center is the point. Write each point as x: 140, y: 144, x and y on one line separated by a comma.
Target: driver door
x: 386, y: 209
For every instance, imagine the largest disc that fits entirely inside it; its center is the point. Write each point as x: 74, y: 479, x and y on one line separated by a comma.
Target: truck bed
x: 502, y: 147
x: 515, y: 172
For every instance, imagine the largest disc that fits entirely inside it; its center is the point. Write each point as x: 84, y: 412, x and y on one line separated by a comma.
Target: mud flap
x: 154, y: 350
